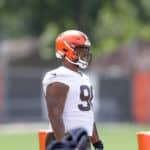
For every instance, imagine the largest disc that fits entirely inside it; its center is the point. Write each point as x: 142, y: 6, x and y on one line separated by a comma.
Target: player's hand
x: 98, y: 145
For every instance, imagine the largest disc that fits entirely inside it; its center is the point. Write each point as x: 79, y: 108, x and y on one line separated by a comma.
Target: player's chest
x: 82, y: 89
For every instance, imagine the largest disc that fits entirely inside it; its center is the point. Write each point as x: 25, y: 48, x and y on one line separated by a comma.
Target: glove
x: 98, y: 145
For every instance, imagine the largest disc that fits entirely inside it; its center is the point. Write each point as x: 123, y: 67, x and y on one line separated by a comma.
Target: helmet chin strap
x: 82, y: 64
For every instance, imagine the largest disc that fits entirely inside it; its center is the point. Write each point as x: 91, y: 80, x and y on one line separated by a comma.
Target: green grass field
x: 115, y: 137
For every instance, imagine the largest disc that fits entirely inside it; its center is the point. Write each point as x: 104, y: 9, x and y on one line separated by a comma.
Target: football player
x: 68, y: 91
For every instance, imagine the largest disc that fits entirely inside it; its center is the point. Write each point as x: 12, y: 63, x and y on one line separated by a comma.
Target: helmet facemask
x: 83, y: 56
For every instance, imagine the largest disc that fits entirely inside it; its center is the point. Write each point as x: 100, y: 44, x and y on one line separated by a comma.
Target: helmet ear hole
x: 65, y: 50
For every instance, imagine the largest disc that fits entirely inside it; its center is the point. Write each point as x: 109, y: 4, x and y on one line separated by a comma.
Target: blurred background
x: 120, y: 71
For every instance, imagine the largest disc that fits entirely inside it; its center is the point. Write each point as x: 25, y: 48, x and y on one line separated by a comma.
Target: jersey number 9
x: 86, y: 95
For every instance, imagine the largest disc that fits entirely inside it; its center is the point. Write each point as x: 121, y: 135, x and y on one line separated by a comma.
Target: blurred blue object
x: 74, y: 139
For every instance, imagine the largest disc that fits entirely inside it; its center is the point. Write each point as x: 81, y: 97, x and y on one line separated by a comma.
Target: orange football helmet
x: 67, y: 43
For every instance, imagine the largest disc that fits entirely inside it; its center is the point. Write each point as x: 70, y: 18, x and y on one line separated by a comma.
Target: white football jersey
x: 78, y: 111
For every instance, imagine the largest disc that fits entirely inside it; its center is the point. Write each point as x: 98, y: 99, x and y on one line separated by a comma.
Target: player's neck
x: 71, y: 66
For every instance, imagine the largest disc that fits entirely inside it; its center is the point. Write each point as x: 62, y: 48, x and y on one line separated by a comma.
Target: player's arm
x: 56, y: 94
x: 95, y: 140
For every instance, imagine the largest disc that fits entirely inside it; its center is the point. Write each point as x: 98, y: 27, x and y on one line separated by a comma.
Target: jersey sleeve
x: 52, y: 77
